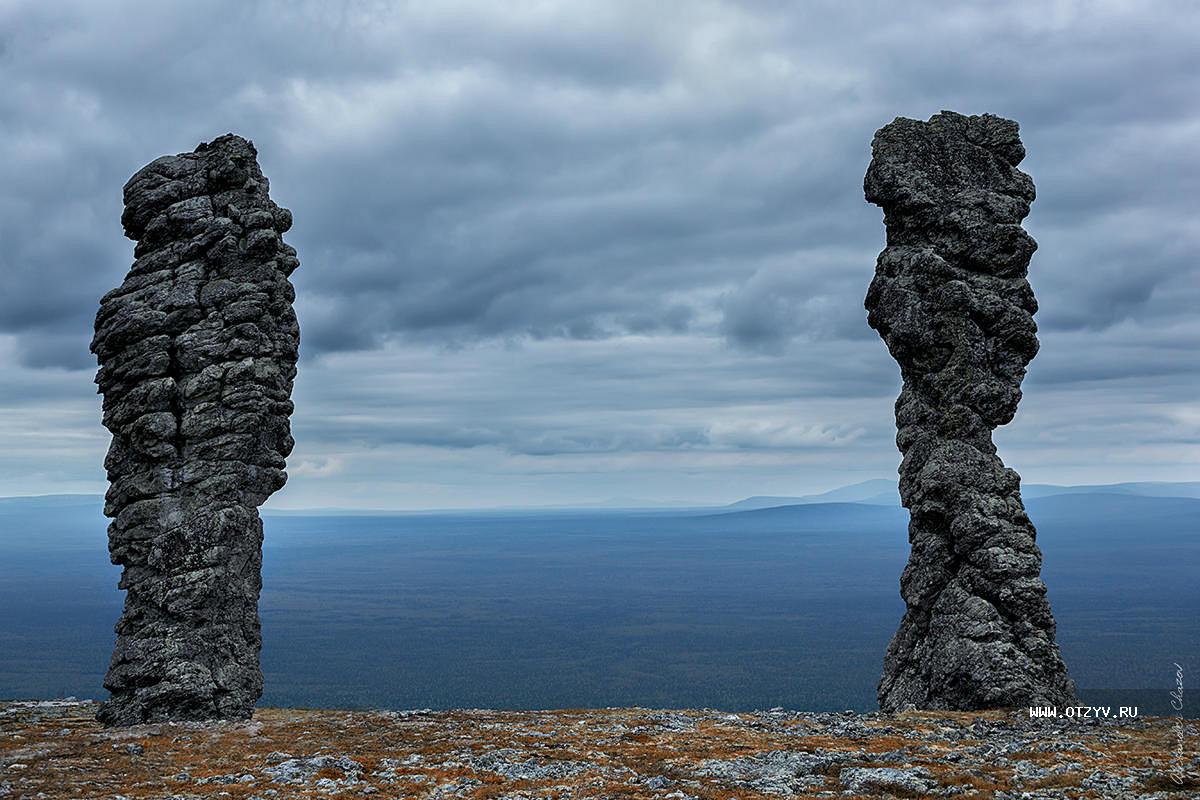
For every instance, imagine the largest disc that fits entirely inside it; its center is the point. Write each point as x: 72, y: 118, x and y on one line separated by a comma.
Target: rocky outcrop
x: 951, y: 300
x: 197, y: 352
x: 54, y: 750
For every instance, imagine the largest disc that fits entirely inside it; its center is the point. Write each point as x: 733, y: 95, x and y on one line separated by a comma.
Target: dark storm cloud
x: 468, y: 173
x: 681, y: 182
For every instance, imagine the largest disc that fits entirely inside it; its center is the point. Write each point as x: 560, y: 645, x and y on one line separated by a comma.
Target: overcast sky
x: 579, y: 251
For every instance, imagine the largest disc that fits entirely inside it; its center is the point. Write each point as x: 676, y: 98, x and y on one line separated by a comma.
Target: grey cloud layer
x: 471, y: 174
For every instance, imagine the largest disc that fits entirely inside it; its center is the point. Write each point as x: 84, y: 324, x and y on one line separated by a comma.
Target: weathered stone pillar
x: 197, y: 352
x: 951, y: 301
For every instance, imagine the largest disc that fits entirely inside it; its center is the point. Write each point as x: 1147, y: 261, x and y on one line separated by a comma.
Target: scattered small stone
x: 916, y: 780
x: 304, y: 770
x: 218, y: 780
x: 539, y: 755
x: 1025, y: 771
x: 776, y: 772
x: 515, y: 766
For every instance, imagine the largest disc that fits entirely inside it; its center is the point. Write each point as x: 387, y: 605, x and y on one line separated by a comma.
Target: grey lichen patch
x: 197, y: 352
x: 951, y: 300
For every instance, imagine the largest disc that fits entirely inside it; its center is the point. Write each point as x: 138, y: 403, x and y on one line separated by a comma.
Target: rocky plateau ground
x: 56, y: 749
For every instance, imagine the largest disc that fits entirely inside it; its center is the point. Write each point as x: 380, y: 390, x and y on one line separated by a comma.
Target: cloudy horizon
x: 565, y: 253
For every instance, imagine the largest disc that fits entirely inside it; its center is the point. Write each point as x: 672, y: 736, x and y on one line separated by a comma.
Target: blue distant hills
x: 771, y: 601
x: 881, y: 491
x: 876, y: 491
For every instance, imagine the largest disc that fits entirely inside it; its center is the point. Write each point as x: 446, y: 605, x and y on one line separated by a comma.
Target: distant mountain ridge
x: 1144, y: 488
x: 874, y: 492
x: 883, y: 492
x: 36, y: 501
x: 648, y: 609
x: 877, y: 491
x: 1128, y: 508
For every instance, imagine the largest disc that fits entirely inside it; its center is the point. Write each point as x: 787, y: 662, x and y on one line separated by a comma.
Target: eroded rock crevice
x: 197, y: 352
x: 951, y: 300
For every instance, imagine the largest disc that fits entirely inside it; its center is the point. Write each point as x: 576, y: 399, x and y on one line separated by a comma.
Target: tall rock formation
x: 951, y: 301
x: 197, y: 352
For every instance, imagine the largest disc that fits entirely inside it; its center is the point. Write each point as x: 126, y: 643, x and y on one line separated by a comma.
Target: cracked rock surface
x: 951, y: 300
x: 197, y: 352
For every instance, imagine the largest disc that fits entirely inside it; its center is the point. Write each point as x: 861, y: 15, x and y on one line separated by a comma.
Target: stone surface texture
x: 951, y: 300
x: 197, y: 351
x: 54, y: 749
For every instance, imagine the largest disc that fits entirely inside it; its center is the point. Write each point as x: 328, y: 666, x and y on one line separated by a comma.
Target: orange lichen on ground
x: 55, y: 749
